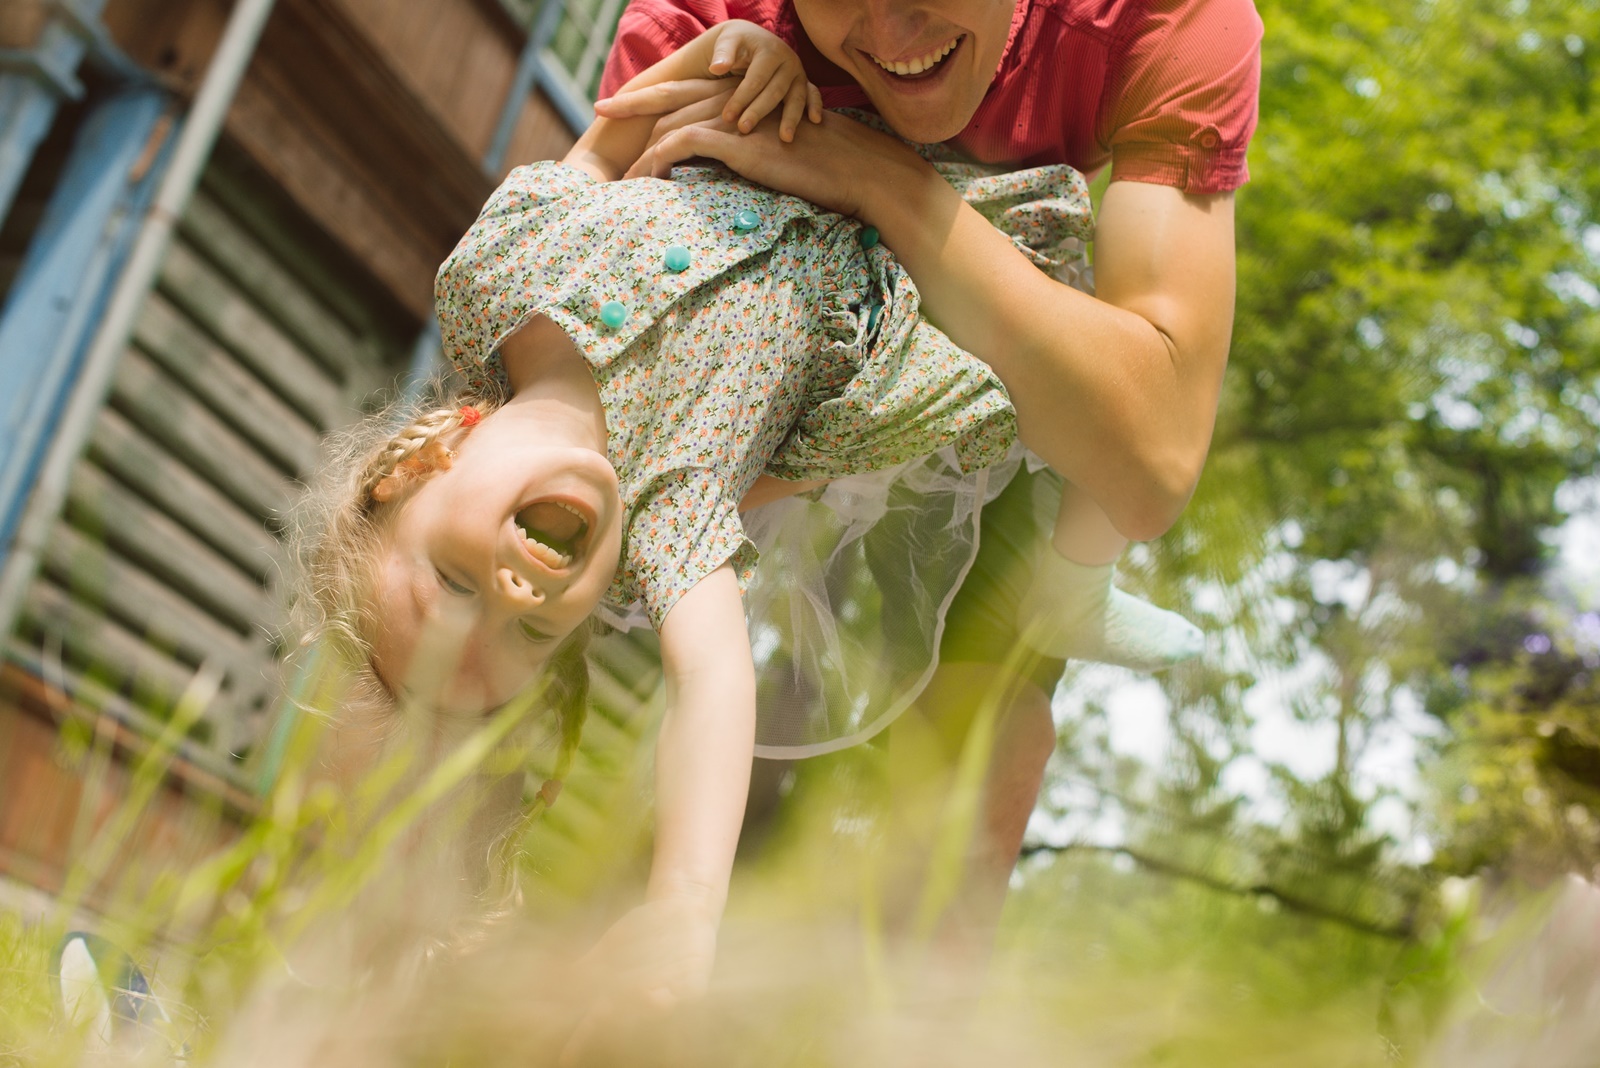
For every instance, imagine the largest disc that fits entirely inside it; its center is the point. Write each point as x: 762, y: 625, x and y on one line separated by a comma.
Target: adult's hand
x: 830, y: 164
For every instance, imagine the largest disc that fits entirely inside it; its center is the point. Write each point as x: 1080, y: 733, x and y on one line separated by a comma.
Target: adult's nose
x: 896, y: 21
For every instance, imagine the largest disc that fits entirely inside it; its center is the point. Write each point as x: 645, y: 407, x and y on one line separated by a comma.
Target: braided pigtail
x: 566, y: 693
x: 415, y: 451
x: 334, y: 530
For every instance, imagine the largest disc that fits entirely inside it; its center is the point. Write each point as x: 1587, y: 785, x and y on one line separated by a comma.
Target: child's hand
x: 773, y: 75
x: 656, y: 956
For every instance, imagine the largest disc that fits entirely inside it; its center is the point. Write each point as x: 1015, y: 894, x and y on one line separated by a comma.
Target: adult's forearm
x: 1107, y: 396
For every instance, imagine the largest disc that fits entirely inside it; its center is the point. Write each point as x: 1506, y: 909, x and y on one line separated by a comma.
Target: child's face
x: 935, y: 103
x: 488, y: 565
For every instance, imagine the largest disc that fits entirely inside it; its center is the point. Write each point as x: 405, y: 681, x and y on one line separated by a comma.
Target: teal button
x: 869, y: 236
x: 613, y: 313
x: 676, y: 258
x: 746, y: 220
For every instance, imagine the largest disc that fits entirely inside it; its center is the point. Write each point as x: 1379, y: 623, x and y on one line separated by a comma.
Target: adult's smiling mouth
x: 553, y: 532
x: 918, y: 66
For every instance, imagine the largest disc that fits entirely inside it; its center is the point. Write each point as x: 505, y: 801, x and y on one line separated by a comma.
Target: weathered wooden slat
x: 166, y: 412
x: 103, y: 509
x: 633, y: 658
x: 94, y: 643
x: 211, y: 373
x: 604, y: 733
x: 212, y: 230
x: 206, y: 297
x: 611, y: 700
x: 266, y: 214
x: 541, y: 133
x: 154, y: 474
x: 274, y: 132
x: 146, y: 605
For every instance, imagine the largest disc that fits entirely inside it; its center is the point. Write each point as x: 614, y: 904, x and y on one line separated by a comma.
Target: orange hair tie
x: 470, y: 416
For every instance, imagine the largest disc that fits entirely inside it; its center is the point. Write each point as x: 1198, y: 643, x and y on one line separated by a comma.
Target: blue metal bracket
x: 33, y: 82
x: 46, y: 68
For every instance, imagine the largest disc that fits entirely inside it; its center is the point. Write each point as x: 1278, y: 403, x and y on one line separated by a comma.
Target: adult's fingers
x: 701, y: 139
x: 707, y: 110
x: 660, y: 99
x: 703, y: 111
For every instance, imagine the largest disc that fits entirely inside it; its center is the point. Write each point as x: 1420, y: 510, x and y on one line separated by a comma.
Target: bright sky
x: 1138, y: 710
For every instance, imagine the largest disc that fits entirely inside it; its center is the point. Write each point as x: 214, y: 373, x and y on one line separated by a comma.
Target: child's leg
x: 1072, y: 610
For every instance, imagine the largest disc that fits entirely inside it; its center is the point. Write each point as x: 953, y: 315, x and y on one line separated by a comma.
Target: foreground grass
x: 335, y: 931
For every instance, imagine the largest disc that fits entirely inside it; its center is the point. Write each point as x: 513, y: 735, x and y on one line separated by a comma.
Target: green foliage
x: 1416, y: 374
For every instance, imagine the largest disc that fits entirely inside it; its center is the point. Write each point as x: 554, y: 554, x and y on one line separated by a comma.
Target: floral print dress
x: 788, y: 345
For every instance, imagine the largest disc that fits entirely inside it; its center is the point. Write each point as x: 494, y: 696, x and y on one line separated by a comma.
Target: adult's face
x: 924, y: 64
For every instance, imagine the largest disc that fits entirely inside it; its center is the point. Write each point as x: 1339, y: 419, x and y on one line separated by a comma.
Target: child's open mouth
x: 552, y: 532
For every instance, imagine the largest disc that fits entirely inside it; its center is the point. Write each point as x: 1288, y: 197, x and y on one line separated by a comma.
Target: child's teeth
x: 546, y: 555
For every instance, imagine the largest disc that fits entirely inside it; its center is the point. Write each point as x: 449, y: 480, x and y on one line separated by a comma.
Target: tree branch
x: 1292, y: 902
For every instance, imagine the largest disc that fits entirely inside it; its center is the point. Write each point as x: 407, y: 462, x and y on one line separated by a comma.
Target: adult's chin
x: 922, y: 122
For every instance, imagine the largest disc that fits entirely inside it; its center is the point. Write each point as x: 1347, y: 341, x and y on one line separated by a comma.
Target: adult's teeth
x: 920, y: 63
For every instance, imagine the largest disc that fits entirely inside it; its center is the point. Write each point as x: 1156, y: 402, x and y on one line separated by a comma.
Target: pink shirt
x: 1164, y: 91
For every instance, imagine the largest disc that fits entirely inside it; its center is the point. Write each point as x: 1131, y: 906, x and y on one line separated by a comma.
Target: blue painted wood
x: 65, y: 278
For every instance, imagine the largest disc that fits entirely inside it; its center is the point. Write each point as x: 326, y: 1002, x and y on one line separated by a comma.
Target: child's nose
x: 518, y: 590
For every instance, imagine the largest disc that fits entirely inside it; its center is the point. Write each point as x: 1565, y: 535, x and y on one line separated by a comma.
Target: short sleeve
x: 679, y: 531
x: 651, y: 30
x: 1045, y: 211
x: 556, y: 242
x: 484, y: 290
x: 1183, y: 91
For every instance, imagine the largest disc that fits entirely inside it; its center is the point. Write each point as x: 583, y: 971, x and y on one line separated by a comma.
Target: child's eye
x: 533, y: 634
x: 453, y: 586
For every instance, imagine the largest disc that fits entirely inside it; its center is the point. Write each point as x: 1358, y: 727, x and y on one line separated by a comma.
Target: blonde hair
x: 334, y: 535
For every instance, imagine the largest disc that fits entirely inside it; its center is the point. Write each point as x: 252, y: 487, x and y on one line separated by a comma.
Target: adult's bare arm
x: 1118, y: 393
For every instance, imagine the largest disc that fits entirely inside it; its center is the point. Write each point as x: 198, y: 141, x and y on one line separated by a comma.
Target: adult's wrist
x: 901, y: 198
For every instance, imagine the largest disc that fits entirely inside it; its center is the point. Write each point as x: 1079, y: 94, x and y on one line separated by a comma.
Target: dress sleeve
x: 680, y: 530
x: 651, y: 30
x: 485, y: 290
x: 1183, y: 90
x: 1045, y: 211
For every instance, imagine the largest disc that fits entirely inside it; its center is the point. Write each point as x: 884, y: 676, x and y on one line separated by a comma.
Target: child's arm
x: 773, y: 75
x: 663, y: 949
x: 706, y: 741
